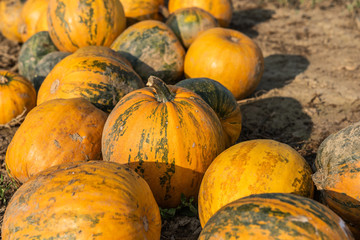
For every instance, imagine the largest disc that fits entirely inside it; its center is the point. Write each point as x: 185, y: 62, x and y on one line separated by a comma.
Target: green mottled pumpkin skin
x: 275, y: 216
x: 221, y: 100
x: 84, y: 200
x: 152, y: 49
x: 32, y: 51
x: 188, y: 23
x: 45, y: 65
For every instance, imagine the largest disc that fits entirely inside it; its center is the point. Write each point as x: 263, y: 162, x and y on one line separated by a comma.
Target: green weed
x: 186, y: 208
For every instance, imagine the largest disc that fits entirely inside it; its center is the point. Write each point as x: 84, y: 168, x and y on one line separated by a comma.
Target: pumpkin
x: 95, y: 73
x: 75, y: 23
x: 139, y: 10
x: 337, y: 173
x: 167, y: 134
x: 85, y: 200
x: 227, y: 56
x: 57, y: 131
x: 45, y: 65
x: 152, y: 49
x: 10, y: 11
x: 30, y: 16
x: 16, y: 96
x: 188, y: 23
x: 220, y: 9
x: 253, y: 167
x: 221, y: 100
x: 275, y: 216
x: 42, y: 24
x: 32, y: 51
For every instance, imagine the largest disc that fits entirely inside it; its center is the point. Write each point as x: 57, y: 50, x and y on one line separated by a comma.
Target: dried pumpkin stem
x: 3, y: 79
x: 163, y: 93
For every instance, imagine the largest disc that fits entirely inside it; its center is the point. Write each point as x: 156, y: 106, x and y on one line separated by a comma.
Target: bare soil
x: 310, y: 87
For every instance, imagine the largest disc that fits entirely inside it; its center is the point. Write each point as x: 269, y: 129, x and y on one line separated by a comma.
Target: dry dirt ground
x: 310, y: 87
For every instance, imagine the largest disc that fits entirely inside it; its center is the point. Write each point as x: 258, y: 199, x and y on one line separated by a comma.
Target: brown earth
x: 310, y: 87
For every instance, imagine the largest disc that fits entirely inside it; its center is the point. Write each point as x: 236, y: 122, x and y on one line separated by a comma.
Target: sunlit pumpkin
x: 75, y: 23
x: 337, y: 173
x: 220, y: 9
x: 275, y: 216
x: 57, y: 131
x: 31, y: 14
x: 88, y: 200
x: 16, y: 96
x: 188, y: 23
x: 167, y: 134
x: 95, y: 73
x: 138, y: 10
x: 227, y: 56
x: 10, y: 11
x: 253, y: 167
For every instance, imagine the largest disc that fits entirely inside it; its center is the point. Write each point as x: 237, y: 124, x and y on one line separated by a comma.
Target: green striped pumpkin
x: 275, y: 216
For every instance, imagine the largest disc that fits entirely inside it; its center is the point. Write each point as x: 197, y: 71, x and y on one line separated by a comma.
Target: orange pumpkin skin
x: 57, y: 131
x: 275, y: 216
x: 227, y: 56
x: 188, y: 23
x: 95, y: 73
x: 10, y: 11
x: 87, y: 200
x: 253, y: 167
x: 152, y: 49
x: 75, y: 23
x: 42, y: 24
x: 220, y: 9
x: 160, y: 140
x: 337, y: 173
x: 16, y: 95
x: 138, y: 10
x: 30, y: 16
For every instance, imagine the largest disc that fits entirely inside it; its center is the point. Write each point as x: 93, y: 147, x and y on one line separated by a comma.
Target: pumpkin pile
x: 131, y: 105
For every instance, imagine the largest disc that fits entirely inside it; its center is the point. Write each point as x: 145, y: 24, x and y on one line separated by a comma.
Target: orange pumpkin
x: 30, y: 16
x: 75, y: 23
x: 95, y: 73
x: 168, y: 135
x: 220, y: 9
x: 57, y: 131
x: 227, y: 56
x: 10, y: 11
x: 42, y: 24
x: 138, y: 10
x: 188, y: 23
x: 88, y: 200
x: 337, y: 173
x: 16, y: 96
x: 275, y: 216
x: 153, y: 49
x: 253, y: 167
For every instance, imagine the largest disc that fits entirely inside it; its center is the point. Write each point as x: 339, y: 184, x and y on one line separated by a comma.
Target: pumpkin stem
x: 3, y: 79
x: 163, y: 93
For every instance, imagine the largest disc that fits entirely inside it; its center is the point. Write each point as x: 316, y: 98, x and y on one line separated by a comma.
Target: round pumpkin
x: 221, y: 100
x: 275, y: 216
x: 57, y: 131
x: 167, y: 134
x: 337, y: 173
x: 220, y: 9
x: 139, y: 10
x: 188, y: 23
x: 45, y: 65
x: 152, y: 49
x: 31, y: 14
x: 31, y: 52
x: 95, y: 73
x: 42, y: 24
x: 16, y: 96
x: 10, y: 11
x: 75, y: 23
x: 88, y: 200
x: 253, y: 167
x: 227, y: 56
